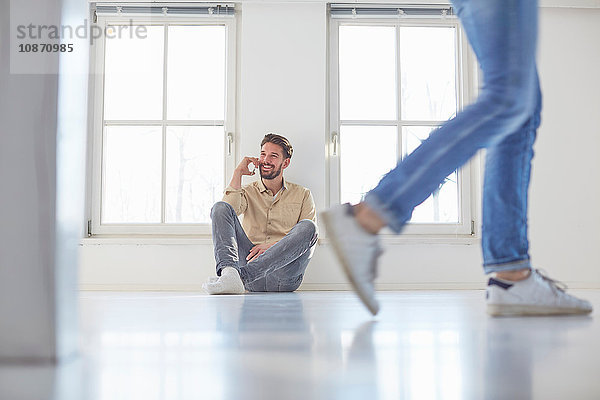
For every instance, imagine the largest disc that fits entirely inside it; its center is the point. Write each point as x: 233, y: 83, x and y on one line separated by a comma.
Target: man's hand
x: 242, y: 167
x: 258, y: 250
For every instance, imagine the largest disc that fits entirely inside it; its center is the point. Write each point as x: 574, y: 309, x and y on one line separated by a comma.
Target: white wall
x: 565, y: 192
x: 283, y: 88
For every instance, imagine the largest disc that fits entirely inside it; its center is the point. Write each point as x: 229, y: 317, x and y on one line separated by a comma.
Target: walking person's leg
x: 282, y: 266
x: 516, y: 289
x: 504, y: 242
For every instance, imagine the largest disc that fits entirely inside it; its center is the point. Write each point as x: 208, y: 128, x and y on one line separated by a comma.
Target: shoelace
x: 553, y: 282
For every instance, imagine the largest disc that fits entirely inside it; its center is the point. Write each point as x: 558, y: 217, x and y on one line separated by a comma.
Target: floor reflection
x: 43, y: 382
x: 362, y: 360
x: 314, y: 345
x: 520, y: 351
x: 273, y: 323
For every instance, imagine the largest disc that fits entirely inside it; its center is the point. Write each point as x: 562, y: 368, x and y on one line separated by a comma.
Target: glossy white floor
x: 315, y: 345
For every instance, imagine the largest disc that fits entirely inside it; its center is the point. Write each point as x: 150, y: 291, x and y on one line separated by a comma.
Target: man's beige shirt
x: 267, y: 219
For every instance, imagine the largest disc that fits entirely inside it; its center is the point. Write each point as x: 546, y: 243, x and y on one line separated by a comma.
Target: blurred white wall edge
x: 70, y: 175
x: 42, y: 170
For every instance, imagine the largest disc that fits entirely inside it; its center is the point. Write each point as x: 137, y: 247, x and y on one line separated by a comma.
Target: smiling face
x: 272, y: 161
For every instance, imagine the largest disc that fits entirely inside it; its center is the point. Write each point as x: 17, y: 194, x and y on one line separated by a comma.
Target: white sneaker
x: 228, y: 283
x: 536, y: 295
x: 356, y: 249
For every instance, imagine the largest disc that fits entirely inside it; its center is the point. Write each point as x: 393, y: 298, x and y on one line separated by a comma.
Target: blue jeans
x: 279, y: 269
x: 503, y: 120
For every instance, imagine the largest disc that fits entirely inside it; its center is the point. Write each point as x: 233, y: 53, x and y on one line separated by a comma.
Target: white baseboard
x: 304, y: 287
x: 126, y: 287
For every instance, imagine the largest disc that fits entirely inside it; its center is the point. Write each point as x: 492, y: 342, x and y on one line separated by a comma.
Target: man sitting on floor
x: 270, y: 253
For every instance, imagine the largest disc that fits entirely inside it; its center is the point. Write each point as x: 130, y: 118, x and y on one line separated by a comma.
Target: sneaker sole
x: 373, y: 308
x: 508, y: 310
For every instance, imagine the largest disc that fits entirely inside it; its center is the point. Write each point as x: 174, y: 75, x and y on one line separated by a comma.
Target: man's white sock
x: 229, y: 283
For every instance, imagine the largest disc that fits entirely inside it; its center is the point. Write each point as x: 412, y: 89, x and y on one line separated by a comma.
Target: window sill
x: 203, y: 240
x: 147, y: 240
x: 398, y: 240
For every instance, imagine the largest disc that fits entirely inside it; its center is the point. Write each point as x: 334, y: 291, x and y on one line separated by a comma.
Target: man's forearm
x: 236, y: 180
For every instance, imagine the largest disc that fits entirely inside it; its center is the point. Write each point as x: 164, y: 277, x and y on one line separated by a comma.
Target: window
x: 163, y: 113
x: 396, y: 75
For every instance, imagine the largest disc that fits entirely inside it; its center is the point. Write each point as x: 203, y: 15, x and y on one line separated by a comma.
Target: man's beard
x: 272, y: 175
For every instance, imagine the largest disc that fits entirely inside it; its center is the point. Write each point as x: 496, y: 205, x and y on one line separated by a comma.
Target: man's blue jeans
x: 279, y: 269
x: 503, y: 120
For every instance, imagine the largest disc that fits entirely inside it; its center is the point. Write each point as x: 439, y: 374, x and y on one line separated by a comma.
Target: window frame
x: 95, y: 227
x: 466, y: 79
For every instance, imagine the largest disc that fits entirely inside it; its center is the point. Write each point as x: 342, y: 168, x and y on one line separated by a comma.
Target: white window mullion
x: 159, y: 122
x: 370, y: 122
x: 163, y: 183
x: 132, y: 122
x: 422, y: 123
x: 400, y: 143
x: 98, y: 131
x: 334, y: 143
x: 391, y: 122
x: 229, y: 125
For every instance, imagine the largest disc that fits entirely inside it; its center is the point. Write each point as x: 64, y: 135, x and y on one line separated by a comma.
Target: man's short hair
x: 281, y: 141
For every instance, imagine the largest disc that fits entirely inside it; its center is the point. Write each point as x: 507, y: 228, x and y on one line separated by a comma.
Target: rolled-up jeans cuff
x: 508, y: 266
x: 384, y: 212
